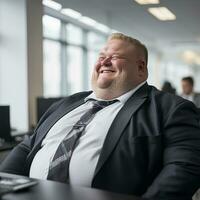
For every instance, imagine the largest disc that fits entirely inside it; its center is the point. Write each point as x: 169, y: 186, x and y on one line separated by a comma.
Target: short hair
x: 135, y: 42
x: 189, y: 79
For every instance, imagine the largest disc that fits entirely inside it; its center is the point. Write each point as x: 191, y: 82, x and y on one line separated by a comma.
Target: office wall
x: 13, y: 66
x: 21, y: 59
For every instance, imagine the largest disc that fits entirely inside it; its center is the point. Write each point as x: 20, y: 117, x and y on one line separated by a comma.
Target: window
x: 51, y: 27
x: 74, y: 34
x: 69, y: 56
x: 52, y: 68
x: 74, y: 69
x: 95, y: 41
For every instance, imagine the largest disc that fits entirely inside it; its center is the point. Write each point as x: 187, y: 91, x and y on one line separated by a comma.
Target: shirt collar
x: 188, y: 97
x: 123, y: 98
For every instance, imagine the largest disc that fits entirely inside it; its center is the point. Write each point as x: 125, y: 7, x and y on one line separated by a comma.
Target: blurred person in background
x: 167, y: 87
x: 188, y: 93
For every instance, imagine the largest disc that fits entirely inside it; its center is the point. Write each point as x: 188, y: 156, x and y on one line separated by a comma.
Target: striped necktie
x: 59, y: 166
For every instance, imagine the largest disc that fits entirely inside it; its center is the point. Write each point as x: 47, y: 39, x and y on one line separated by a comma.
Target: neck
x: 108, y: 94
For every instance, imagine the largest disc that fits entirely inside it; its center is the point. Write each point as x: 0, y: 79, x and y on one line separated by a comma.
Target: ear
x: 142, y: 68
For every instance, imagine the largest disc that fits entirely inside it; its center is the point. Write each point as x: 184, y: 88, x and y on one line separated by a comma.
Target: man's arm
x: 14, y: 163
x: 180, y: 176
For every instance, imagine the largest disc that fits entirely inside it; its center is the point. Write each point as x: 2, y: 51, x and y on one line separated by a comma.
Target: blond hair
x: 133, y: 41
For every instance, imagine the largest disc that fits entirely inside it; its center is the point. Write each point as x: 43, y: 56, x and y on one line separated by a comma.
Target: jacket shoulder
x: 77, y: 96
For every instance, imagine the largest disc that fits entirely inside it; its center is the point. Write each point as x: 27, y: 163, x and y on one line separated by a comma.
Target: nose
x: 106, y: 61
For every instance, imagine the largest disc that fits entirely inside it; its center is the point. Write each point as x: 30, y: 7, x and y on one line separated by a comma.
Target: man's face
x: 187, y: 87
x: 118, y: 68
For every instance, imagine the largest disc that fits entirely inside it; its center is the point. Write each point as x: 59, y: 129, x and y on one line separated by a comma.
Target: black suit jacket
x: 152, y: 148
x: 197, y: 99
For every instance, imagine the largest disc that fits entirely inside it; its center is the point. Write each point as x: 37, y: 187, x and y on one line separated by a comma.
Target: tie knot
x: 103, y: 104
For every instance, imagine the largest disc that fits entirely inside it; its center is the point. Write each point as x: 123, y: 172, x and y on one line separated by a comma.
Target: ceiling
x: 133, y: 19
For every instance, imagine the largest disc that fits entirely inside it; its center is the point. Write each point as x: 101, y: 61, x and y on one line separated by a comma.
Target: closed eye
x: 117, y: 57
x: 113, y: 57
x: 101, y: 58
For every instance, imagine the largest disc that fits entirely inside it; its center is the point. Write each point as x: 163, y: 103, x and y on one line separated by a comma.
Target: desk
x: 50, y: 190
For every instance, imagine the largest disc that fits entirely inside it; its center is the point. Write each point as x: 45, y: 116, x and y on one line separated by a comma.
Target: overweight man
x: 124, y: 136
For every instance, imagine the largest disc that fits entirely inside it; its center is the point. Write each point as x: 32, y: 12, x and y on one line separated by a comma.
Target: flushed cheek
x: 95, y: 71
x: 97, y: 66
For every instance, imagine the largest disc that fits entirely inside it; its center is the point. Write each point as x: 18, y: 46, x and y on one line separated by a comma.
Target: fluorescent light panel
x: 162, y: 13
x: 145, y: 2
x: 86, y: 20
x: 52, y: 4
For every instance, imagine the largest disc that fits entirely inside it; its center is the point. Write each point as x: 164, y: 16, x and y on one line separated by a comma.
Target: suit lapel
x: 58, y: 114
x: 63, y: 109
x: 119, y: 123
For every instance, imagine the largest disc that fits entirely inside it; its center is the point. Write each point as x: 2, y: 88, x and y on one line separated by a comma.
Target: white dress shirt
x: 86, y: 154
x: 189, y: 97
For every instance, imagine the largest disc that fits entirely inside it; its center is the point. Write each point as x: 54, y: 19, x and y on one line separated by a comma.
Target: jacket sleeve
x: 180, y: 175
x: 14, y: 163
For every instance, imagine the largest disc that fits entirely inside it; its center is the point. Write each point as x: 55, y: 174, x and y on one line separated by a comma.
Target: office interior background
x: 48, y: 48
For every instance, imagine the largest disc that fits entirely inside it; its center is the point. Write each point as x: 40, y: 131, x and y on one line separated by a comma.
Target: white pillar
x: 20, y: 59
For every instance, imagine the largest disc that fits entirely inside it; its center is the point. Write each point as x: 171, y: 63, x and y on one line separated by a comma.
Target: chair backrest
x: 43, y: 104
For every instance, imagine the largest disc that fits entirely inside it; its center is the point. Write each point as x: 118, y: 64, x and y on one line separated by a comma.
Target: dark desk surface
x: 49, y: 190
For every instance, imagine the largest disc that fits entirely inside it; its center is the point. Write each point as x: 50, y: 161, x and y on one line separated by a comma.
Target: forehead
x: 117, y: 45
x: 186, y: 82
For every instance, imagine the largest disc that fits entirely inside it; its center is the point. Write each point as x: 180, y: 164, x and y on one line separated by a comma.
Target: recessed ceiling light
x: 162, y: 13
x: 72, y: 13
x: 144, y: 2
x: 52, y: 4
x: 86, y: 20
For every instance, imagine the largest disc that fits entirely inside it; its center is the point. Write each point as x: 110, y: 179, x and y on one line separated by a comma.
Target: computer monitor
x: 5, y: 130
x: 44, y: 103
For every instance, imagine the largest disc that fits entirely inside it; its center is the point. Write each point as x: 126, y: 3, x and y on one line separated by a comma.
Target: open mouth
x: 106, y: 71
